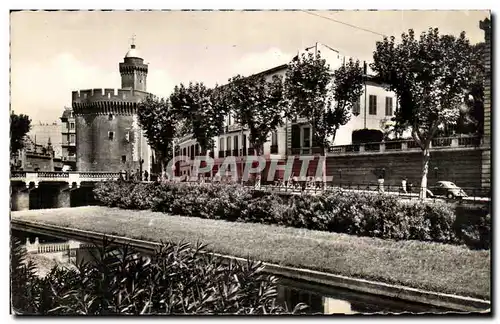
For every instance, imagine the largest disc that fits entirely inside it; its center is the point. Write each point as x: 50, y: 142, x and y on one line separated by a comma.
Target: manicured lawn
x: 431, y: 266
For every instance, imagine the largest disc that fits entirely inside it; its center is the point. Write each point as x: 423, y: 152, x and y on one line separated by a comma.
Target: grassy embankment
x: 430, y: 266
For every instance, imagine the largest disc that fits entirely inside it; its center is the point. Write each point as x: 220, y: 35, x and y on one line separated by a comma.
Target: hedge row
x: 338, y: 211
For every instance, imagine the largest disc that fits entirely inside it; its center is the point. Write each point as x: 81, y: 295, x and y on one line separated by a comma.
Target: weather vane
x: 133, y: 39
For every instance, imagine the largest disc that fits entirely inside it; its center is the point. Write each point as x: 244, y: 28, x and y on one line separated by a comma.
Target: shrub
x: 473, y: 226
x: 111, y: 193
x: 176, y: 279
x: 339, y: 211
x: 266, y: 209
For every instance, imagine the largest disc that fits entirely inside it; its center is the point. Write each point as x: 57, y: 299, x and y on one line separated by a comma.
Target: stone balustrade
x: 41, y: 248
x: 71, y: 178
x: 406, y: 145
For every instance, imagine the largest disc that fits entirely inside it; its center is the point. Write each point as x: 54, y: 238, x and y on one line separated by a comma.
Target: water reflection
x: 321, y: 299
x: 327, y: 300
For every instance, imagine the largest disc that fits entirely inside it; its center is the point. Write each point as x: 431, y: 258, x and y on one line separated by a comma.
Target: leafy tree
x: 20, y: 125
x: 158, y: 120
x: 472, y: 118
x: 257, y: 104
x: 430, y: 76
x: 324, y: 99
x: 347, y: 88
x: 201, y: 110
x: 182, y: 128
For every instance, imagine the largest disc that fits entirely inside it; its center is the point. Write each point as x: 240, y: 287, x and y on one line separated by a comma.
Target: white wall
x: 344, y: 133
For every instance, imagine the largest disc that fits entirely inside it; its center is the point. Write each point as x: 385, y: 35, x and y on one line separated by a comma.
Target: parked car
x: 447, y: 189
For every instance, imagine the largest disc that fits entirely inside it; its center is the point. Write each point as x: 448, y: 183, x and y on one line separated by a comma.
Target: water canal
x: 321, y: 299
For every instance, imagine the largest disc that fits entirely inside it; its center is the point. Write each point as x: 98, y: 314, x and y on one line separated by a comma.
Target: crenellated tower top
x: 133, y: 70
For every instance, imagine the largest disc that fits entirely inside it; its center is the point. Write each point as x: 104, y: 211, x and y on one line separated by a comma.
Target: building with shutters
x: 374, y: 107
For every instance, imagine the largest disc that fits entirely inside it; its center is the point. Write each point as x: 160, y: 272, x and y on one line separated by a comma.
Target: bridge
x: 34, y: 190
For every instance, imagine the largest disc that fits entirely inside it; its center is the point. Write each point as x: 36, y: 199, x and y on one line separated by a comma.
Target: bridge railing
x: 53, y: 174
x: 60, y: 176
x: 99, y: 175
x: 18, y: 174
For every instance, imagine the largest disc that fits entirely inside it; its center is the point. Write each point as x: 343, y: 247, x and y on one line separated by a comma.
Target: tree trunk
x: 162, y: 169
x: 258, y: 151
x: 323, y: 167
x: 425, y: 170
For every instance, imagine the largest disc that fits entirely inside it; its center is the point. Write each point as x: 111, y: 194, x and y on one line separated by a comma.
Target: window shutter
x: 295, y: 136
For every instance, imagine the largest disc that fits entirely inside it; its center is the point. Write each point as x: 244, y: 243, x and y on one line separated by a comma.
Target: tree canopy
x: 202, y: 110
x: 20, y: 125
x: 347, y: 88
x: 159, y: 121
x: 307, y: 93
x: 472, y: 118
x: 256, y: 104
x: 323, y: 98
x: 431, y: 76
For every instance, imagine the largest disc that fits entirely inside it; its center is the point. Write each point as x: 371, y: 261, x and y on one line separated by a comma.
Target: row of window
x: 191, y: 151
x: 235, y: 139
x: 231, y: 143
x: 372, y: 106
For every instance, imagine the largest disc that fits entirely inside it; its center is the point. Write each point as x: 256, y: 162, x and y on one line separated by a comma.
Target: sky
x: 54, y: 53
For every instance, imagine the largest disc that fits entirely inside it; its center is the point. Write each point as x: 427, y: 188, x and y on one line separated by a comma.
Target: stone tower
x: 108, y: 136
x: 133, y: 71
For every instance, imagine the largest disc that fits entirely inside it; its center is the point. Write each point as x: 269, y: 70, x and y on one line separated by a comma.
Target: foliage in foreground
x: 338, y: 211
x: 177, y: 279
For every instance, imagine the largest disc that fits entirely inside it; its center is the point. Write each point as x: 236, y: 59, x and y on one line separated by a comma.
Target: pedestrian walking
x: 381, y: 184
x: 146, y: 175
x: 403, y: 185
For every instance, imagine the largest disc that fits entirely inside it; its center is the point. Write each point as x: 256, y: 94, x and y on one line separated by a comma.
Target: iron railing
x: 410, y: 192
x: 472, y: 194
